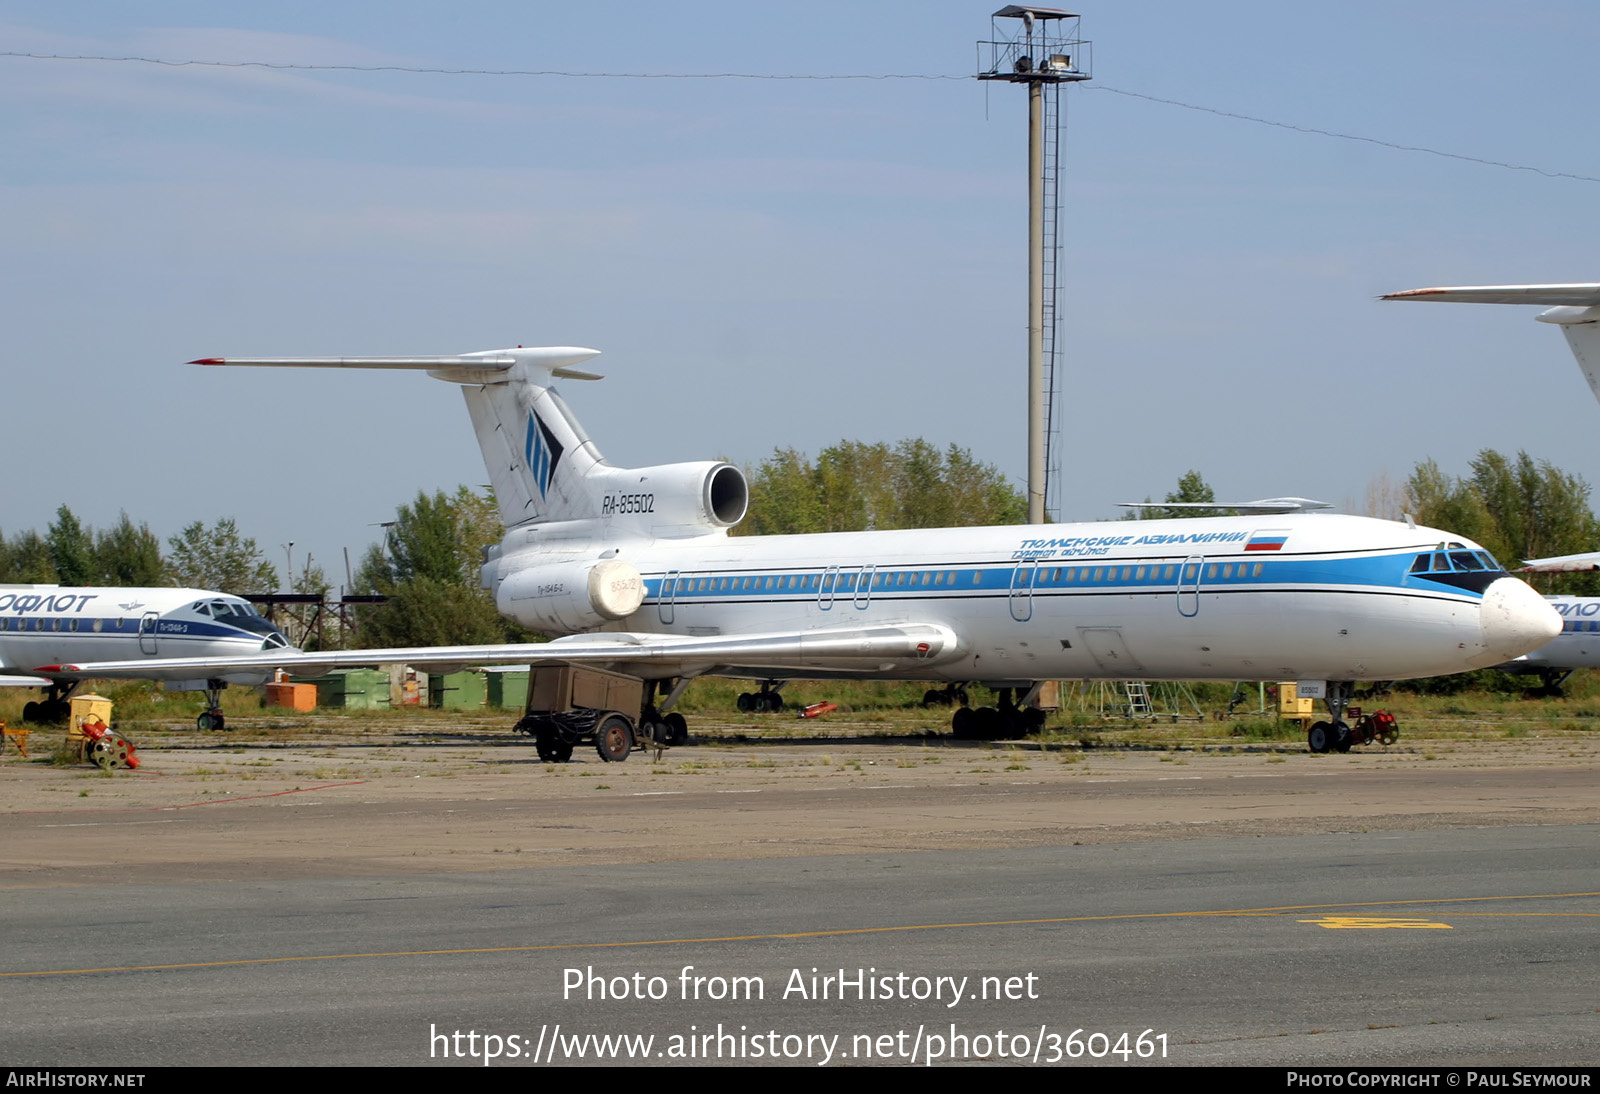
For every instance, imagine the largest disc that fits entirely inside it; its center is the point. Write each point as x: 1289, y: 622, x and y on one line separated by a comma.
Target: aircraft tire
x: 746, y: 702
x: 990, y: 725
x: 30, y: 712
x: 772, y: 702
x: 613, y: 739
x: 1342, y: 737
x: 203, y: 723
x: 1319, y: 737
x: 677, y: 729
x: 964, y: 724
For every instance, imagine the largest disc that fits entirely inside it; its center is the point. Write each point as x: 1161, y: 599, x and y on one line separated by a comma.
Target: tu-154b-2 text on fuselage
x: 634, y: 571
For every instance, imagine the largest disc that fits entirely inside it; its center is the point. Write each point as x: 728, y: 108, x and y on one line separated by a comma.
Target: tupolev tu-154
x: 632, y: 570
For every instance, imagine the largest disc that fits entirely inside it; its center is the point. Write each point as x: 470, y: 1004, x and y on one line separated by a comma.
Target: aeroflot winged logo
x: 542, y: 453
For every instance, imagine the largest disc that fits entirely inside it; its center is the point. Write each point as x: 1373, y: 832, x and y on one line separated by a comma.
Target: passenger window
x: 1227, y: 569
x: 1256, y: 570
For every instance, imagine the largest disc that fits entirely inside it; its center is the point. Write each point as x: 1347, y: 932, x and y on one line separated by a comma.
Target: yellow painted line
x: 1220, y: 913
x: 1375, y: 923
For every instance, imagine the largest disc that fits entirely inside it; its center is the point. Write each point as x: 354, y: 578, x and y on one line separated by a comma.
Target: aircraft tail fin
x: 537, y: 454
x: 1574, y: 308
x: 543, y: 466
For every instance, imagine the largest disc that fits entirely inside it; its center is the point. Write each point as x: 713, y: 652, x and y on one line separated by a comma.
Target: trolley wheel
x: 613, y: 739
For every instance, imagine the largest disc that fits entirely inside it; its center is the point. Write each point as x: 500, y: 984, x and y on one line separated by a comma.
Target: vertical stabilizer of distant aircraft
x: 1574, y: 308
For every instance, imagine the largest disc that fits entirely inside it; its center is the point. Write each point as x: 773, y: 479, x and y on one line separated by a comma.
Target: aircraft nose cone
x: 1515, y: 620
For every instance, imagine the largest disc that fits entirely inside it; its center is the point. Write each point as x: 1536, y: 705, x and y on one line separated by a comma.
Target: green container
x: 508, y: 690
x: 353, y: 689
x: 458, y: 691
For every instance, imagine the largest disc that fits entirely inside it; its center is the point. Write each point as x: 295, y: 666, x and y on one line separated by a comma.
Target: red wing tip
x: 210, y: 361
x: 45, y: 670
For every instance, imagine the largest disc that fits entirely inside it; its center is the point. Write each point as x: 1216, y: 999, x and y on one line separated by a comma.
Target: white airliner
x: 636, y: 569
x: 47, y: 629
x: 1576, y: 310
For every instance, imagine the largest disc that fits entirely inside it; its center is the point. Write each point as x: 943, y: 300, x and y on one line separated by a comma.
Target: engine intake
x: 569, y: 597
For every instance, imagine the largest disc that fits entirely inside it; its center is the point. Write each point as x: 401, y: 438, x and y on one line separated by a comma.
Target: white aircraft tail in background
x: 1573, y: 308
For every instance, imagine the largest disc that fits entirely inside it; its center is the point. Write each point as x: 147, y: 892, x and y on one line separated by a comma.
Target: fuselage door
x: 669, y: 593
x: 825, y: 590
x: 147, y: 632
x: 864, y: 588
x: 1189, y: 585
x: 1022, y: 582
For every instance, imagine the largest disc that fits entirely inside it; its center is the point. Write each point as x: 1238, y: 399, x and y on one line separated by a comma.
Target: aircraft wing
x: 9, y: 681
x: 1562, y: 564
x: 1260, y: 505
x: 876, y: 649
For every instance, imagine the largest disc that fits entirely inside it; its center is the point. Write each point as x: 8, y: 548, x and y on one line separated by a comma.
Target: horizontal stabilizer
x: 1573, y: 308
x: 1571, y: 296
x: 1261, y: 505
x: 477, y: 368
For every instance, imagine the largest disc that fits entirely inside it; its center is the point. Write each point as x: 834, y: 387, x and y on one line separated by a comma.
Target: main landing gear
x: 1006, y: 719
x: 669, y: 728
x: 951, y: 695
x: 1550, y: 681
x: 1338, y: 736
x: 765, y: 701
x: 54, y: 709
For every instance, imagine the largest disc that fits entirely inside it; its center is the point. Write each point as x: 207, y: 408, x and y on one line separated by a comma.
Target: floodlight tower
x: 1045, y: 54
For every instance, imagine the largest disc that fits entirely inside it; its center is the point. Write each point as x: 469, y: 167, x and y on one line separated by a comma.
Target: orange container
x: 292, y: 696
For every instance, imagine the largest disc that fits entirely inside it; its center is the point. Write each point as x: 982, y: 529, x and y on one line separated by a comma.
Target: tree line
x: 73, y: 553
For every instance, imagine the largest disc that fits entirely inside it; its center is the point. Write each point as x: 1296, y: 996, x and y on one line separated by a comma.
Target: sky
x: 773, y: 263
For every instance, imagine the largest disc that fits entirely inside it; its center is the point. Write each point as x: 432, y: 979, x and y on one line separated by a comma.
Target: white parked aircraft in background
x: 1576, y: 310
x: 636, y: 569
x: 46, y: 629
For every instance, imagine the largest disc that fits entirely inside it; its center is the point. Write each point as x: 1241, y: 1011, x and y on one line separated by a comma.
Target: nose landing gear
x: 1338, y: 736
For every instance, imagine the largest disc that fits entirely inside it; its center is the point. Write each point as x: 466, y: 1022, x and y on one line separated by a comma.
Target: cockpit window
x: 1444, y: 562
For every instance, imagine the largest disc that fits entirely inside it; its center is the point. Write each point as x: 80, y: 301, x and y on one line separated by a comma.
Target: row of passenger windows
x: 1058, y: 575
x: 1572, y: 626
x: 35, y: 624
x: 1068, y: 575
